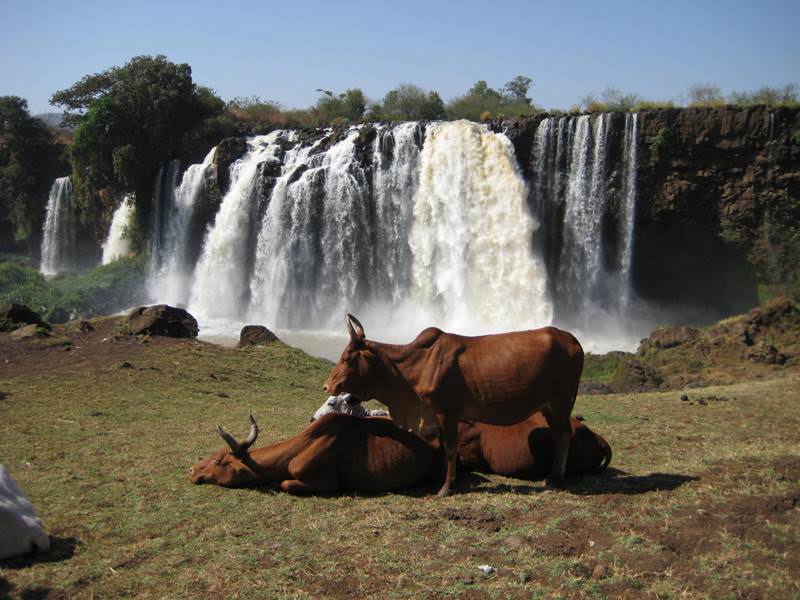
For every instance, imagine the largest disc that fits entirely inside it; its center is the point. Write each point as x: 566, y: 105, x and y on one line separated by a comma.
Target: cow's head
x: 229, y: 467
x: 357, y: 367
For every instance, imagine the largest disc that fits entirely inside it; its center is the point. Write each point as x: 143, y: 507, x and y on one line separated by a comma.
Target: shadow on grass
x: 4, y: 395
x: 611, y: 481
x: 61, y: 548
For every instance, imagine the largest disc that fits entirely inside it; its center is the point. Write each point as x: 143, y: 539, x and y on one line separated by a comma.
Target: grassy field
x: 702, y: 500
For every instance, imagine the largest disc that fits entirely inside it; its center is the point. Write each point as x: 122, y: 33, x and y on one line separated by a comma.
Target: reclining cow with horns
x: 336, y: 452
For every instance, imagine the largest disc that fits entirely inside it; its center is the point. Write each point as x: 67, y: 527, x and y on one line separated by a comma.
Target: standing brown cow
x: 498, y: 379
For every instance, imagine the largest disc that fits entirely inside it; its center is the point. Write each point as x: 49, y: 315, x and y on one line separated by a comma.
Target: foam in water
x: 59, y: 237
x: 117, y: 244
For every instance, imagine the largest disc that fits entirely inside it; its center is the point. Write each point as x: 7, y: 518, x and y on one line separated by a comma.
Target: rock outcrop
x: 256, y: 335
x: 161, y: 319
x: 14, y: 316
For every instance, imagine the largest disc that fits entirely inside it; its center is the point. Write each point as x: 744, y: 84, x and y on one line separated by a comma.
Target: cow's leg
x: 448, y: 435
x: 303, y: 488
x: 314, y: 469
x: 561, y: 430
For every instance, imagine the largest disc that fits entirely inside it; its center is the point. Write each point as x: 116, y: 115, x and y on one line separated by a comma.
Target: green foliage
x: 132, y: 119
x: 601, y: 367
x: 347, y: 107
x: 408, y: 102
x: 652, y: 104
x: 28, y: 158
x: 482, y: 102
x: 104, y: 289
x: 773, y: 97
x: 659, y: 141
x: 612, y: 99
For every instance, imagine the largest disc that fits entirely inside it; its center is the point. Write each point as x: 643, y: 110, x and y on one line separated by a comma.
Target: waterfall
x: 395, y: 163
x: 220, y: 287
x: 117, y: 244
x: 628, y: 207
x: 572, y: 187
x: 313, y: 254
x: 409, y: 225
x: 59, y: 239
x: 163, y: 198
x: 473, y: 264
x: 171, y: 277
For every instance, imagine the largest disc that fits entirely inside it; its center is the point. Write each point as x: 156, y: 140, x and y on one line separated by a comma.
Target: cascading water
x: 117, y: 244
x: 170, y: 280
x: 59, y: 239
x: 473, y: 265
x: 410, y: 225
x: 395, y: 180
x: 221, y: 285
x: 572, y: 187
x: 163, y: 198
x: 311, y: 255
x: 628, y: 208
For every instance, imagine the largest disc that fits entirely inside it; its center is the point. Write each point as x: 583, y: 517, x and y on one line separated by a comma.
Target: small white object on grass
x: 20, y: 529
x: 487, y: 569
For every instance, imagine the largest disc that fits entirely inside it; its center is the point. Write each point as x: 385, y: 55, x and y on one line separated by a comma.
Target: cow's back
x: 507, y: 376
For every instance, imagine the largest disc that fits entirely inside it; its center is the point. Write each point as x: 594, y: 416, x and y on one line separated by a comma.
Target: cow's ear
x: 355, y: 329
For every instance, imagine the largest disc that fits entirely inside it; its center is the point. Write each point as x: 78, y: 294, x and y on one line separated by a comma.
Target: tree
x: 772, y: 97
x: 29, y: 160
x: 705, y: 94
x: 347, y: 107
x: 516, y: 90
x: 409, y: 102
x: 612, y: 99
x: 132, y: 119
x: 482, y: 102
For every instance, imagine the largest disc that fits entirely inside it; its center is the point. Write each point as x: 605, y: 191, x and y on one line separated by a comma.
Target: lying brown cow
x: 525, y: 450
x: 334, y: 453
x: 499, y: 379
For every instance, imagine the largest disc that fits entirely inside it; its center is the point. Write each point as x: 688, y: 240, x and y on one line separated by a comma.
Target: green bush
x: 102, y: 290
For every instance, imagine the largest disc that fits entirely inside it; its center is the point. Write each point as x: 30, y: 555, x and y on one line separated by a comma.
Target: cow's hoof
x: 444, y: 491
x: 554, y: 483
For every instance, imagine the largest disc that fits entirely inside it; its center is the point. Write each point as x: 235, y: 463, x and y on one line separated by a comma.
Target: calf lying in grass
x: 524, y: 450
x: 336, y: 452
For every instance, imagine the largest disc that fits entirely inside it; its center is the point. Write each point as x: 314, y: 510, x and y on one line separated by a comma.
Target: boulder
x: 635, y: 376
x: 162, y: 319
x: 256, y: 335
x: 58, y: 315
x: 29, y: 332
x: 13, y: 316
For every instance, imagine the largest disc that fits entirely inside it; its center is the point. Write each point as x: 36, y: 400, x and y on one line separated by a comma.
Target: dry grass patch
x: 700, y: 500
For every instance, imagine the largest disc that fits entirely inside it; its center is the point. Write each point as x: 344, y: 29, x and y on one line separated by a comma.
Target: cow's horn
x: 229, y: 439
x: 251, y: 437
x: 355, y: 327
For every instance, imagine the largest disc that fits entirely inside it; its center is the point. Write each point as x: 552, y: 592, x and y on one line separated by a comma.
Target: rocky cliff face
x: 718, y: 203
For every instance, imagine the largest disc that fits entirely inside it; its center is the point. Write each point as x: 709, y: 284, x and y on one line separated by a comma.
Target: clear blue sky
x: 285, y: 50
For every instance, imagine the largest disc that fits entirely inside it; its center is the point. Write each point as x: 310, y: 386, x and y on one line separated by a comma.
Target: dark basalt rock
x: 256, y: 335
x: 13, y: 316
x: 162, y: 319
